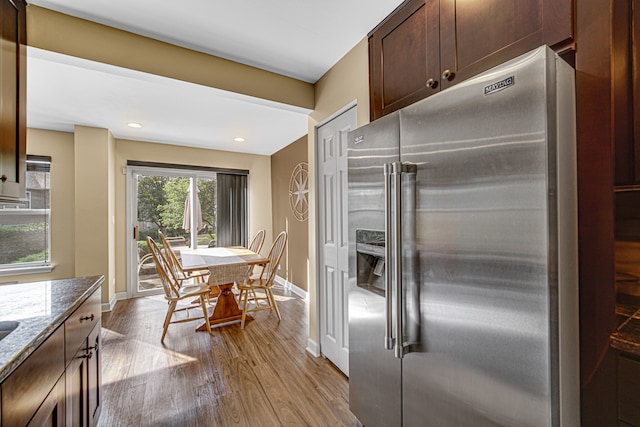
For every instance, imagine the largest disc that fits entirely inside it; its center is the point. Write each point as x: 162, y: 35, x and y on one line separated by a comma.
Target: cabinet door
x: 83, y: 376
x: 634, y: 142
x: 52, y: 411
x: 403, y: 57
x: 76, y: 387
x: 477, y: 35
x: 626, y: 91
x: 94, y: 376
x: 12, y: 99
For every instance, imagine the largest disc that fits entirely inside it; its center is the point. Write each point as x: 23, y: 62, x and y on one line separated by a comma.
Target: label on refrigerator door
x: 498, y: 86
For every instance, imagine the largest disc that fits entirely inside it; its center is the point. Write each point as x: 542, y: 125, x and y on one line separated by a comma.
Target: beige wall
x: 296, y: 258
x: 259, y: 184
x: 345, y: 83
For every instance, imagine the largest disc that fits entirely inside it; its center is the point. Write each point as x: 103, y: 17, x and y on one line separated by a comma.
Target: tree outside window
x: 161, y: 201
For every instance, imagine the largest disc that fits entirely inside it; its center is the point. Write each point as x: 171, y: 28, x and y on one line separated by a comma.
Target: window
x: 25, y: 226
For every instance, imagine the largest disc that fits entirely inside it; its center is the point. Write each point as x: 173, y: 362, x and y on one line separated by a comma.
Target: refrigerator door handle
x: 389, y: 342
x: 406, y: 341
x: 397, y: 255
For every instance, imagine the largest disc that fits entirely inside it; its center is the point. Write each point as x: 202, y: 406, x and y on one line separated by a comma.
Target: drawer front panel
x: 79, y: 325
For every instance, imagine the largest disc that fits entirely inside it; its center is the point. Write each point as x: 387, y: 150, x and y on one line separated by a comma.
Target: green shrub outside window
x: 25, y: 226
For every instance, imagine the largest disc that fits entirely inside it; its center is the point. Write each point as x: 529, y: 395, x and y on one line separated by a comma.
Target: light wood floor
x: 261, y: 376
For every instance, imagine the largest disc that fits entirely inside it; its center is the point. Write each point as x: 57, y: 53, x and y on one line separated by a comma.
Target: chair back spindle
x: 257, y: 241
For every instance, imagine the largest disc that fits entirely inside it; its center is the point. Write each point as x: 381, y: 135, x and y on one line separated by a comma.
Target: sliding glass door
x: 165, y: 203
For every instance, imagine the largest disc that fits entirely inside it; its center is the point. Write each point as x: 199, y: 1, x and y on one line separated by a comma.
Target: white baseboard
x: 293, y: 288
x: 109, y: 306
x: 312, y: 348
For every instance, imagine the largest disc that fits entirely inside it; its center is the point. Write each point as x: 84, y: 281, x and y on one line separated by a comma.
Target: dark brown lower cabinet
x: 35, y: 381
x: 59, y: 383
x: 83, y: 383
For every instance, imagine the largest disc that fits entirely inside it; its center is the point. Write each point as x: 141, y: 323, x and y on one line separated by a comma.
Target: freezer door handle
x: 394, y: 337
x: 396, y: 175
x: 389, y: 342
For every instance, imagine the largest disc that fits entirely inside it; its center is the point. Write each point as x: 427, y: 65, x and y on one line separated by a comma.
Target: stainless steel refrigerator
x: 463, y: 290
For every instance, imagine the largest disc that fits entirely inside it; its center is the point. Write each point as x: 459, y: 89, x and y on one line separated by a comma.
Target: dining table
x: 227, y: 266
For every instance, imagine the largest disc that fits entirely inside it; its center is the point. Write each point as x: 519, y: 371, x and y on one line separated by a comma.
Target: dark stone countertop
x: 627, y: 336
x: 40, y: 308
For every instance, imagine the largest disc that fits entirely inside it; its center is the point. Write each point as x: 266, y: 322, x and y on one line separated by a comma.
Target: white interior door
x: 333, y: 244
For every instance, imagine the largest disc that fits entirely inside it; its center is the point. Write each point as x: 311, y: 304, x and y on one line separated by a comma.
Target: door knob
x: 448, y: 75
x: 432, y: 84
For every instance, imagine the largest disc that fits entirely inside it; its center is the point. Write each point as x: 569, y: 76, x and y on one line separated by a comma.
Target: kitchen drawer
x: 79, y: 325
x: 28, y: 386
x: 629, y: 390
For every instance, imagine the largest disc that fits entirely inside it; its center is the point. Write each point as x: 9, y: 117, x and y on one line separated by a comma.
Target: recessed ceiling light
x: 134, y: 125
x: 238, y: 139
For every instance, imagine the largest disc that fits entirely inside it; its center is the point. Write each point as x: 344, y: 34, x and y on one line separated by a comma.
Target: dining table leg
x: 226, y: 309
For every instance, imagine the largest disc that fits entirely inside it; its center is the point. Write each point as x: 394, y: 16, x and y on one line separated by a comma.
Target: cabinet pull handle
x: 4, y: 178
x: 90, y: 318
x: 448, y: 75
x: 432, y: 84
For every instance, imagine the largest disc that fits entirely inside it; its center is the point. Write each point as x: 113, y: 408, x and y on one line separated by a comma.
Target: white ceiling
x: 297, y: 38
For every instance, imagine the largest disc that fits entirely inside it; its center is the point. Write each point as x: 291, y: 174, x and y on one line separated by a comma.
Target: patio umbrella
x: 186, y: 219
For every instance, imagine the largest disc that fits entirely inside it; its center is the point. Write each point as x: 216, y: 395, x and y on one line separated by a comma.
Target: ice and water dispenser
x: 370, y: 261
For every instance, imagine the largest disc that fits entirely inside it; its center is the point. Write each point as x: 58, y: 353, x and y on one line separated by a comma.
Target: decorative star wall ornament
x: 299, y: 191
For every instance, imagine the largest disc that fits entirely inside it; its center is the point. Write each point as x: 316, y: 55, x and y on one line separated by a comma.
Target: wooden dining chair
x: 264, y: 282
x: 198, y: 276
x: 174, y: 292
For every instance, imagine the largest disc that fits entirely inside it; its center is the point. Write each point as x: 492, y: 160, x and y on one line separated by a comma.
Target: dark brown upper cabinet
x: 13, y: 111
x: 626, y: 92
x: 428, y: 45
